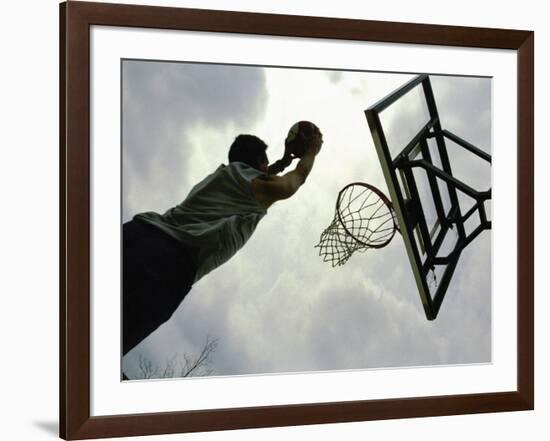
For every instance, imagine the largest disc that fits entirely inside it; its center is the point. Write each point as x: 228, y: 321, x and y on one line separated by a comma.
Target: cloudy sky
x: 276, y: 306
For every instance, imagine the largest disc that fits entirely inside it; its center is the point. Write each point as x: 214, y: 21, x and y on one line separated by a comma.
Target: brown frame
x: 75, y: 20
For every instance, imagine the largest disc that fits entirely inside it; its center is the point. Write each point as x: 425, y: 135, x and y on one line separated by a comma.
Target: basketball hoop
x: 364, y: 219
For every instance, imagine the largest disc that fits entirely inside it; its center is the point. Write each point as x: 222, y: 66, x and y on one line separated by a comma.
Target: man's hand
x: 276, y: 188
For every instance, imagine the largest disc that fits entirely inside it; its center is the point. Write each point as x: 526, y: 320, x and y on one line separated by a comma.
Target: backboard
x: 426, y: 196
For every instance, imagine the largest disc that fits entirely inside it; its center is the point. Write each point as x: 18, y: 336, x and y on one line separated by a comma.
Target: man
x: 163, y: 255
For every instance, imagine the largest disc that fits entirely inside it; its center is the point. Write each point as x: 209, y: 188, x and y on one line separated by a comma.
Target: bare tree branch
x: 203, y: 360
x: 183, y: 365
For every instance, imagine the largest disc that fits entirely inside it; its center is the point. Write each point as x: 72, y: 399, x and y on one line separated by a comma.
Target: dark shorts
x: 157, y: 274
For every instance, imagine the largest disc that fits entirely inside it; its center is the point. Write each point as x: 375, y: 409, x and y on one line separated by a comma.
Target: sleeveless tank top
x: 217, y: 217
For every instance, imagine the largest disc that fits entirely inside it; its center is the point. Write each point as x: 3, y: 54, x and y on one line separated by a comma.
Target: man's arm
x: 278, y: 166
x: 275, y: 188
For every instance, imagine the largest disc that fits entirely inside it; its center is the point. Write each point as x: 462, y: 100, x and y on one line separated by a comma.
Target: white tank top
x: 218, y: 216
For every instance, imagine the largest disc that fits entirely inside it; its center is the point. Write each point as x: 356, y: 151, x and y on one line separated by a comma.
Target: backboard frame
x: 406, y: 201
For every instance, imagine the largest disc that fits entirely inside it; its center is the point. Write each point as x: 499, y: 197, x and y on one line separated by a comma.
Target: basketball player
x: 165, y: 254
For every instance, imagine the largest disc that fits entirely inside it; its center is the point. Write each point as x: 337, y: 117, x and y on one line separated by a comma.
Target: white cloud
x: 165, y: 104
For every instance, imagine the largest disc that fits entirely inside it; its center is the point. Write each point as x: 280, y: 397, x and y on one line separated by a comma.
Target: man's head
x: 251, y: 150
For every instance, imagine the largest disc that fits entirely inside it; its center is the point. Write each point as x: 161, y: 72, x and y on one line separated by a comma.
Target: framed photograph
x: 272, y: 220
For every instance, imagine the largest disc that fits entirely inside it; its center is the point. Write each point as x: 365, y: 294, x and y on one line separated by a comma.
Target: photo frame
x: 76, y: 420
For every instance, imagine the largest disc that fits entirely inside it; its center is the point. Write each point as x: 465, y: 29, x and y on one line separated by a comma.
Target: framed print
x: 273, y: 220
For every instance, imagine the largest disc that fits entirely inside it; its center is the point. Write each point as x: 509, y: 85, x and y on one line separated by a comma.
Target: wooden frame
x: 75, y: 21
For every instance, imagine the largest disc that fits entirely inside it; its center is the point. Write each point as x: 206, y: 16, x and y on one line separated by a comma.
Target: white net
x: 364, y: 219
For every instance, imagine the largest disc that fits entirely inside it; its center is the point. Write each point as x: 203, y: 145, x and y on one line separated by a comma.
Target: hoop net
x: 364, y: 219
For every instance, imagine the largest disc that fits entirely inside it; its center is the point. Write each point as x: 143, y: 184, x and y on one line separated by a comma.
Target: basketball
x: 298, y: 135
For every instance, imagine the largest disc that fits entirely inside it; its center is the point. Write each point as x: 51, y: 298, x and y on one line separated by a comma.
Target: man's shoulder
x: 269, y: 189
